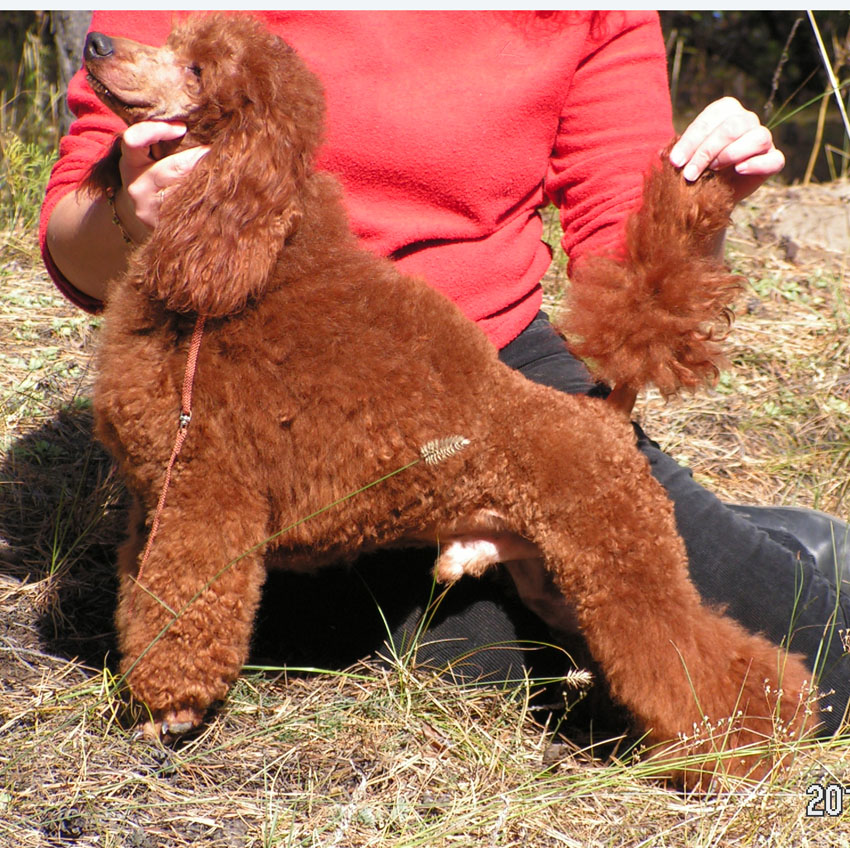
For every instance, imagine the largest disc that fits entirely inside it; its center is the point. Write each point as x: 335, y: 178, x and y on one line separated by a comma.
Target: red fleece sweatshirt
x: 450, y: 130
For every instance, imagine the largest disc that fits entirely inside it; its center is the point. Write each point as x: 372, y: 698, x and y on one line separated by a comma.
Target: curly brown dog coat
x: 322, y: 369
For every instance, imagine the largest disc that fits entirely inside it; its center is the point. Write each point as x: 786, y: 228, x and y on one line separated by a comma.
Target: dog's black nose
x: 98, y: 45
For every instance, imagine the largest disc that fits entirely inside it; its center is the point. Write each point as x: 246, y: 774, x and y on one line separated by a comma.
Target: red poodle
x: 290, y: 427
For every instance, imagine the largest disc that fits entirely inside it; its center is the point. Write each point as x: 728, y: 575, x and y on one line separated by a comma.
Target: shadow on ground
x: 61, y: 516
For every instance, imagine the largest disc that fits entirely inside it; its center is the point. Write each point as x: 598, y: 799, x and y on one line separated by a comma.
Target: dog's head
x: 247, y: 95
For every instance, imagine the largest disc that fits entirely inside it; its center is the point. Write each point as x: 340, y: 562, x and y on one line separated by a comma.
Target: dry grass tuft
x: 382, y: 756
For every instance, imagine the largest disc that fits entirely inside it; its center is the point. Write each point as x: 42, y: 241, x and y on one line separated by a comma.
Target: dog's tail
x: 657, y: 315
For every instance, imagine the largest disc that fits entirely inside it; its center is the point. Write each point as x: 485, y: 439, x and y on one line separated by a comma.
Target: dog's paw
x: 172, y: 725
x: 744, y: 746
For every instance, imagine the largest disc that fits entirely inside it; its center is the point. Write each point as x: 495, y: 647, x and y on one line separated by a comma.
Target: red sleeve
x: 92, y: 133
x: 617, y: 116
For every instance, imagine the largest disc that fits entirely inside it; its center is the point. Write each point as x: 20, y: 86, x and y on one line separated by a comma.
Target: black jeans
x: 480, y: 629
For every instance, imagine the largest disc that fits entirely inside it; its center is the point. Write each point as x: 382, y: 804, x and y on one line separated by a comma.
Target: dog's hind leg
x: 682, y: 668
x: 607, y: 534
x: 185, y: 621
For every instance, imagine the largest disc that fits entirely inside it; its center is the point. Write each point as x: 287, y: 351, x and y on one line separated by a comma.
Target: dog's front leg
x: 185, y: 619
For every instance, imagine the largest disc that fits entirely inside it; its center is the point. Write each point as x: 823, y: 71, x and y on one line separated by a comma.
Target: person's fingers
x: 726, y: 137
x: 712, y: 138
x: 730, y: 147
x: 711, y: 117
x: 150, y: 186
x: 138, y: 138
x: 172, y: 169
x: 767, y: 163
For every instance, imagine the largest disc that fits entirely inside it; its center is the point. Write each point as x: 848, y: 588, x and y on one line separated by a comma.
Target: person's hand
x: 146, y: 179
x: 726, y: 137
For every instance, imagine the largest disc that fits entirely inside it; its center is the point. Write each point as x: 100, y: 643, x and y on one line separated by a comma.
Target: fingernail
x: 676, y: 158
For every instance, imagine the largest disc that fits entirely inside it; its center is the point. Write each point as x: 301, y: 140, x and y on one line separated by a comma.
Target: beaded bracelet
x: 110, y: 198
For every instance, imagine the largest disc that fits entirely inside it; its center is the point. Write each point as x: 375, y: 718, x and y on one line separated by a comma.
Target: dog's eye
x: 195, y: 69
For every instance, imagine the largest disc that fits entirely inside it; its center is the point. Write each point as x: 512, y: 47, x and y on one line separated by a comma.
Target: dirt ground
x: 807, y: 222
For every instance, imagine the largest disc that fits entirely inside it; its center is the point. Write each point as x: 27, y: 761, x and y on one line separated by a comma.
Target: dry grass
x: 376, y: 756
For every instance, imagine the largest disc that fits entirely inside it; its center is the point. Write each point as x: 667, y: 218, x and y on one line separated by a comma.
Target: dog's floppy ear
x: 222, y: 227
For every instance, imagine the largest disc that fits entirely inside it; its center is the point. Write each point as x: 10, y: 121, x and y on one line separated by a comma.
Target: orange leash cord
x: 182, y: 429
